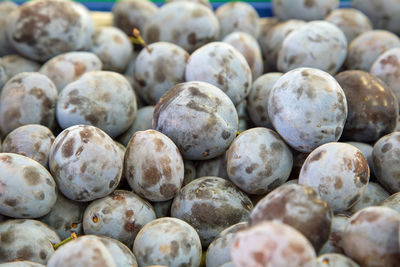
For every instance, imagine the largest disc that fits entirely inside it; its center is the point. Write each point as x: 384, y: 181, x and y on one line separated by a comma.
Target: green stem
x: 73, y: 236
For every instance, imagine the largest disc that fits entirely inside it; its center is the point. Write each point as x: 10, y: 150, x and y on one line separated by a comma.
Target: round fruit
x: 374, y: 196
x: 335, y: 242
x: 335, y: 260
x: 16, y: 64
x: 305, y: 10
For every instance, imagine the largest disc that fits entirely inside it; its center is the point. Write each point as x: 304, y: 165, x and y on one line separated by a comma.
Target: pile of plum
x: 228, y: 140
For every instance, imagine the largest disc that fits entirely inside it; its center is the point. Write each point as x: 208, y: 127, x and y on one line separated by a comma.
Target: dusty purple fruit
x: 131, y: 14
x: 335, y: 260
x: 218, y: 251
x: 22, y: 263
x: 305, y: 10
x: 103, y: 99
x: 323, y: 46
x: 258, y: 161
x: 393, y: 202
x: 28, y: 240
x: 212, y: 167
x: 120, y: 216
x: 207, y: 118
x: 42, y: 29
x: 257, y: 100
x: 272, y: 243
x: 79, y: 170
x: 351, y: 21
x: 300, y: 207
x: 167, y: 241
x: 189, y: 172
x: 386, y: 158
x: 27, y: 98
x: 33, y: 141
x: 372, y: 107
x: 230, y: 72
x: 68, y: 67
x: 27, y: 190
x: 157, y: 72
x: 65, y: 217
x: 163, y: 208
x: 113, y: 47
x: 248, y: 46
x: 374, y: 196
x: 16, y: 64
x: 203, y: 2
x: 178, y: 23
x: 6, y: 7
x: 338, y: 172
x: 367, y: 47
x: 366, y: 150
x: 335, y: 241
x: 122, y: 255
x: 211, y: 204
x: 371, y: 237
x: 153, y: 166
x: 308, y: 108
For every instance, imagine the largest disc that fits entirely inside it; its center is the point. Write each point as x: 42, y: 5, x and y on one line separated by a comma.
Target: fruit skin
x: 372, y: 107
x: 211, y: 204
x: 27, y: 98
x: 207, y: 118
x: 27, y: 188
x: 393, y: 201
x: 366, y: 150
x: 374, y: 196
x: 167, y: 241
x: 22, y: 264
x: 16, y: 64
x: 32, y: 140
x: 258, y: 161
x: 153, y: 166
x: 43, y: 29
x: 308, y: 108
x: 68, y: 67
x: 6, y: 7
x: 157, y: 72
x: 122, y: 255
x: 212, y: 167
x: 26, y: 239
x: 79, y: 170
x: 317, y: 39
x: 103, y: 99
x: 339, y: 172
x: 371, y: 237
x: 82, y: 252
x: 335, y: 242
x: 230, y: 71
x: 3, y: 74
x: 335, y: 260
x: 119, y: 215
x: 185, y: 16
x: 305, y: 10
x: 272, y: 243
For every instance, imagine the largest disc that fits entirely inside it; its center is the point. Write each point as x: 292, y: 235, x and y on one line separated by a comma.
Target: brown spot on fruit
x: 317, y: 156
x: 6, y: 159
x: 153, y: 34
x: 85, y: 134
x: 192, y: 38
x: 151, y: 175
x: 25, y: 253
x: 309, y: 3
x: 338, y: 183
x: 12, y: 202
x: 298, y: 248
x: 168, y: 190
x: 42, y: 254
x: 391, y: 60
x: 129, y: 213
x: 174, y: 248
x: 258, y: 257
x: 31, y: 175
x: 79, y: 68
x: 132, y: 227
x: 159, y: 144
x: 225, y: 134
x: 386, y: 147
x: 68, y: 148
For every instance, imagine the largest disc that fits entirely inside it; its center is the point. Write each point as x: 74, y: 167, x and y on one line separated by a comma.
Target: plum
x: 22, y: 263
x: 203, y: 2
x: 6, y: 7
x: 212, y: 167
x: 304, y: 10
x: 3, y: 75
x: 16, y: 64
x: 335, y: 242
x: 393, y: 202
x: 366, y: 150
x: 374, y: 196
x: 335, y: 260
x: 122, y: 255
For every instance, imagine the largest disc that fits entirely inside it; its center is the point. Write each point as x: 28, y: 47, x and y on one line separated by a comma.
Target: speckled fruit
x: 27, y: 190
x: 258, y: 161
x: 335, y: 260
x: 33, y: 141
x: 153, y: 166
x: 82, y: 252
x: 6, y: 7
x: 212, y: 167
x: 16, y: 64
x: 218, y: 251
x: 178, y: 23
x: 338, y: 172
x: 158, y: 71
x: 386, y: 158
x: 238, y: 16
x: 383, y: 14
x: 393, y: 202
x: 68, y: 67
x: 79, y: 170
x: 335, y: 242
x: 207, y: 119
x: 374, y: 196
x: 300, y: 207
x: 27, y: 98
x: 367, y: 47
x: 366, y: 150
x: 131, y: 14
x: 318, y: 44
x: 28, y: 240
x: 42, y: 29
x: 257, y: 100
x: 305, y: 10
x: 203, y: 2
x: 372, y: 107
x: 351, y: 21
x: 167, y: 241
x: 211, y: 204
x: 120, y: 215
x: 230, y: 71
x: 113, y: 47
x: 272, y: 243
x: 22, y: 263
x: 100, y: 98
x: 122, y: 255
x: 308, y: 108
x: 248, y: 46
x: 371, y: 237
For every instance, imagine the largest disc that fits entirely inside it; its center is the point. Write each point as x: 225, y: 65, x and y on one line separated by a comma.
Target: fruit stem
x: 73, y: 236
x: 137, y: 39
